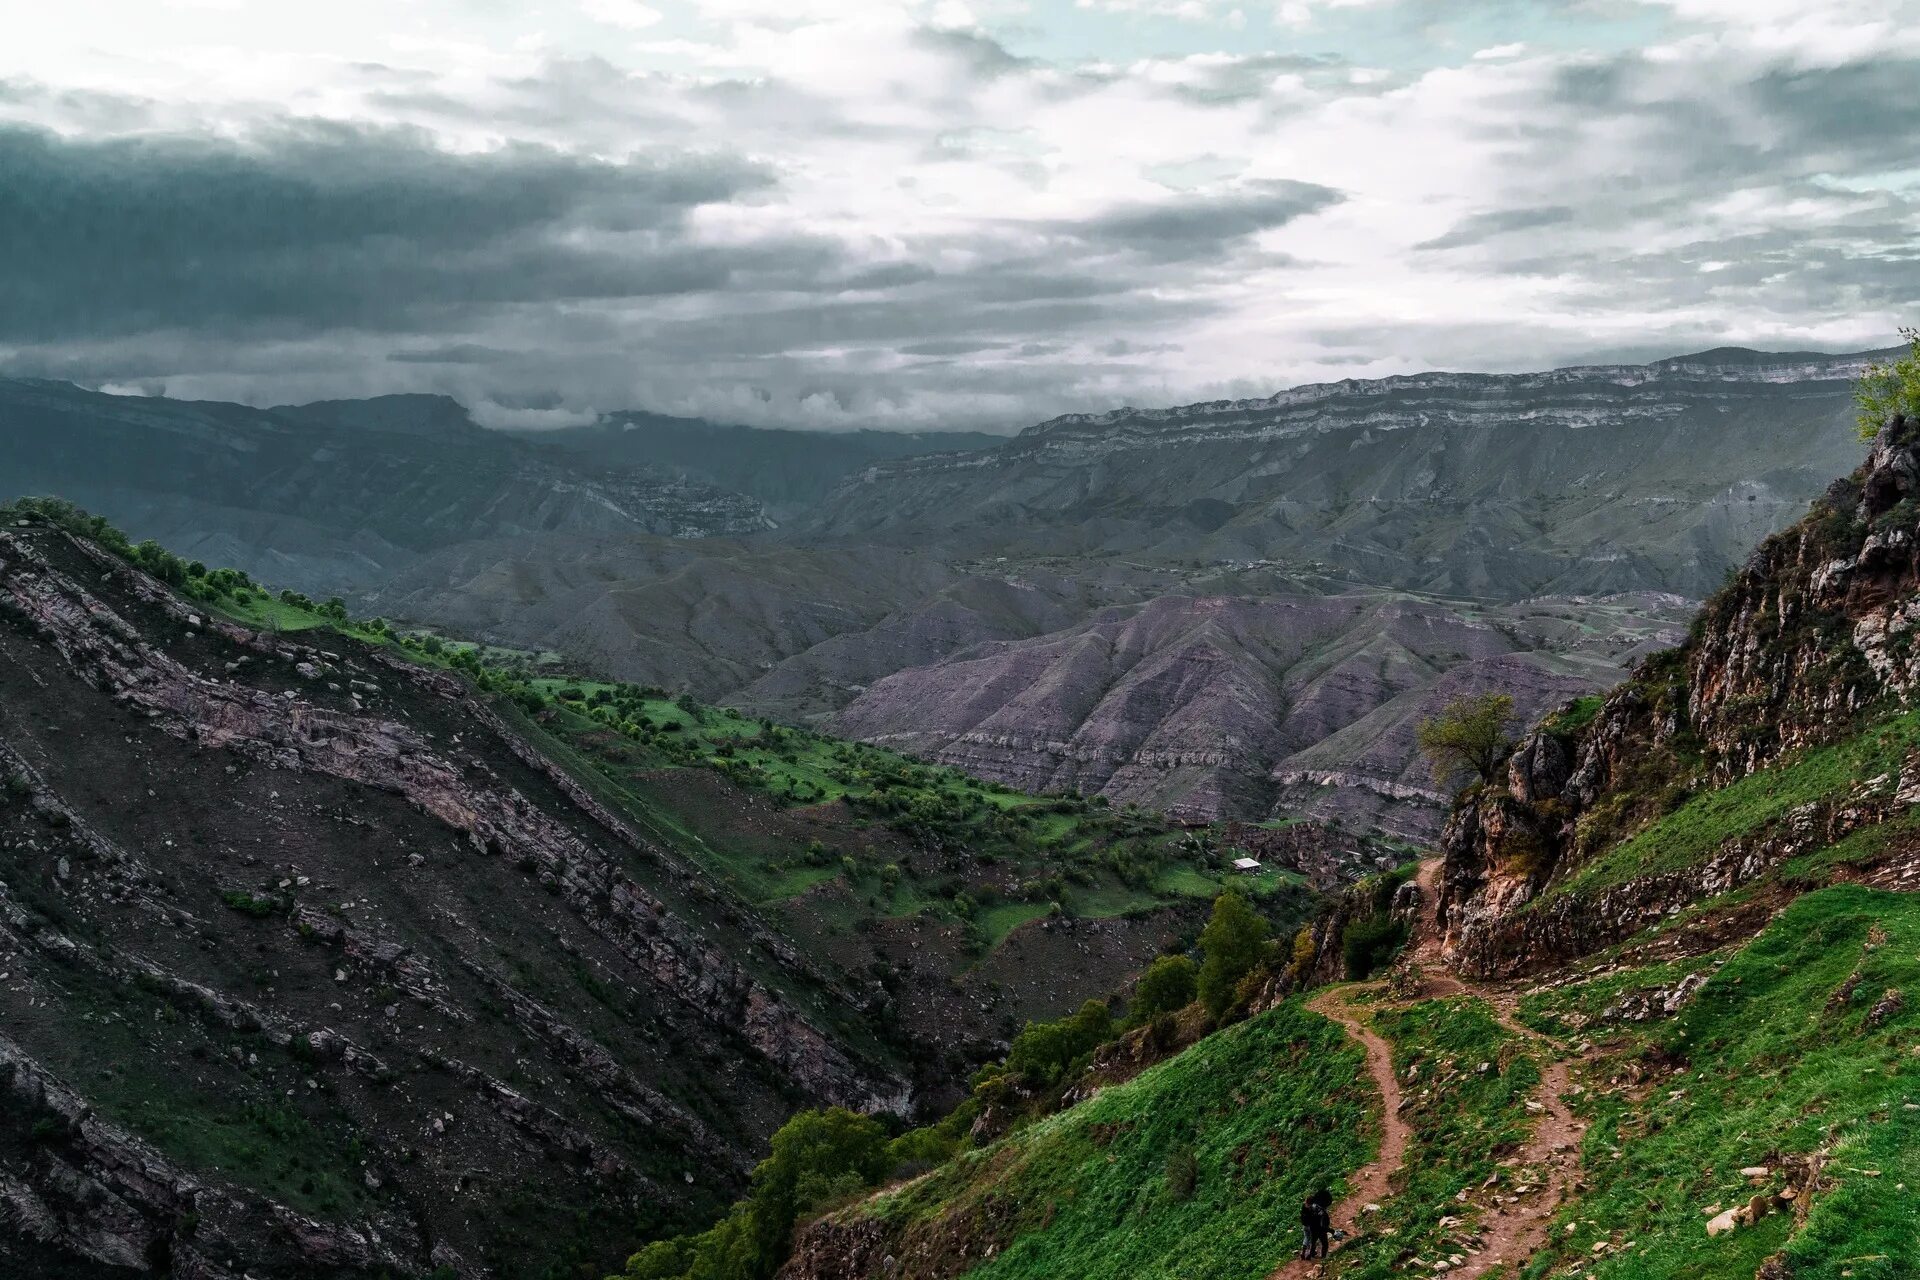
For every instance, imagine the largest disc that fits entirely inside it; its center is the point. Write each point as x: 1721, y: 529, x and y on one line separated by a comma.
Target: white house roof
x: 1246, y: 864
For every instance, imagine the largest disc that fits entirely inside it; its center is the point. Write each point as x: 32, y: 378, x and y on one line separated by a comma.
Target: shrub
x: 1367, y: 944
x: 1889, y: 389
x: 1169, y: 984
x: 1183, y: 1173
x: 1043, y: 1051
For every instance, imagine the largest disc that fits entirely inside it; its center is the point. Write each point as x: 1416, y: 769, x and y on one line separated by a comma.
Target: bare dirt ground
x: 1516, y: 1215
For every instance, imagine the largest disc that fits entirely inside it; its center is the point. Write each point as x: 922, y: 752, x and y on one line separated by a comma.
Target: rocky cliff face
x: 1579, y: 480
x: 309, y: 966
x: 1811, y: 639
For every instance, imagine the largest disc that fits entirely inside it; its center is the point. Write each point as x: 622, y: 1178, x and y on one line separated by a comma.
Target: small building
x: 1246, y: 864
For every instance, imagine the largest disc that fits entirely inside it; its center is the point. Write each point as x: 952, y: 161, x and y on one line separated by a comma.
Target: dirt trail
x: 1517, y: 1213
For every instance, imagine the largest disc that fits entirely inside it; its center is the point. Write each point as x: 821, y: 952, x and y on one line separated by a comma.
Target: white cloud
x: 621, y: 13
x: 936, y: 240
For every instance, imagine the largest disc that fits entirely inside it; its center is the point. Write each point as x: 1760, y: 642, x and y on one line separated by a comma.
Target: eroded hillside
x: 312, y: 963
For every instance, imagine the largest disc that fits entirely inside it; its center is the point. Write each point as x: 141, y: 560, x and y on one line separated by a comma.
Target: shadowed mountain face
x: 1604, y: 479
x: 331, y: 497
x: 1213, y: 707
x: 788, y: 471
x: 373, y: 986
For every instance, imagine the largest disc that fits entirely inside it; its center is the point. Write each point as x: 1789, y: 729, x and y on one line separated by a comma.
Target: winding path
x: 1512, y: 1227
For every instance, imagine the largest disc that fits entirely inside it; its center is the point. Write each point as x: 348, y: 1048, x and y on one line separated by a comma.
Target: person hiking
x: 1309, y: 1225
x: 1317, y: 1216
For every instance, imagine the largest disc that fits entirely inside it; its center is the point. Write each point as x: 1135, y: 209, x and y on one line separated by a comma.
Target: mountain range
x: 333, y: 946
x: 1403, y: 533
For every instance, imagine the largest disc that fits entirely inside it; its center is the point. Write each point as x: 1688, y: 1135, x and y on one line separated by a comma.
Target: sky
x: 911, y: 214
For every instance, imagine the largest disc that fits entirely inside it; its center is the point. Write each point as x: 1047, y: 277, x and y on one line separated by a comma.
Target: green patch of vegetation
x: 1889, y: 389
x: 259, y: 906
x: 1195, y: 1169
x: 239, y: 1129
x: 818, y: 1157
x: 1464, y: 1119
x: 1576, y: 715
x: 1028, y: 856
x: 997, y: 921
x: 1799, y: 1046
x: 1699, y: 828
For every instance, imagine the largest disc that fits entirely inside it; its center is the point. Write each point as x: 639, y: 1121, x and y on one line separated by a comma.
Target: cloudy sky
x: 841, y: 213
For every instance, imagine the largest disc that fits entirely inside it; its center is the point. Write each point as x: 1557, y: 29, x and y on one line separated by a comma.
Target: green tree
x: 1044, y: 1050
x: 1169, y: 984
x: 1470, y: 735
x: 1887, y: 389
x: 817, y: 1157
x: 1231, y: 942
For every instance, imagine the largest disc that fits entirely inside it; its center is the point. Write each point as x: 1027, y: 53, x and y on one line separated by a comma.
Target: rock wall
x: 1812, y: 634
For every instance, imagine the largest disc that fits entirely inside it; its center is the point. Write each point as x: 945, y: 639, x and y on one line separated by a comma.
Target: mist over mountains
x: 1217, y: 609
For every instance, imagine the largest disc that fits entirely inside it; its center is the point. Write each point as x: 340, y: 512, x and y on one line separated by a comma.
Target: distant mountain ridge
x: 901, y: 587
x: 1585, y: 480
x: 1726, y: 364
x: 788, y: 470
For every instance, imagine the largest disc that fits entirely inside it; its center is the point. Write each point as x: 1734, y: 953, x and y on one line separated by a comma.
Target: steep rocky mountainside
x: 784, y: 629
x: 1577, y: 481
x: 788, y: 471
x: 321, y: 958
x: 1777, y: 743
x: 310, y: 966
x: 329, y: 497
x: 1213, y: 707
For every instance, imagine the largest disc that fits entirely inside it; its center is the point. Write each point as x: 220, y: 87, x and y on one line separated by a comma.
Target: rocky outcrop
x: 1813, y: 633
x: 96, y: 1193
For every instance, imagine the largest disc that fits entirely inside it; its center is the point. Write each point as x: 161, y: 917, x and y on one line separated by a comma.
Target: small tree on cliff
x: 1887, y: 389
x: 1470, y: 736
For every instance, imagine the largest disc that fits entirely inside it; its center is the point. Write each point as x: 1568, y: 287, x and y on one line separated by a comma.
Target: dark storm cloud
x: 457, y: 353
x: 1863, y: 107
x: 1484, y: 226
x: 322, y: 226
x: 1200, y: 225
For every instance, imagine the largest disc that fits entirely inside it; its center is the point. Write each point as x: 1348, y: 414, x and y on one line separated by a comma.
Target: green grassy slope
x: 1781, y: 1056
x: 1267, y: 1110
x: 1861, y: 766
